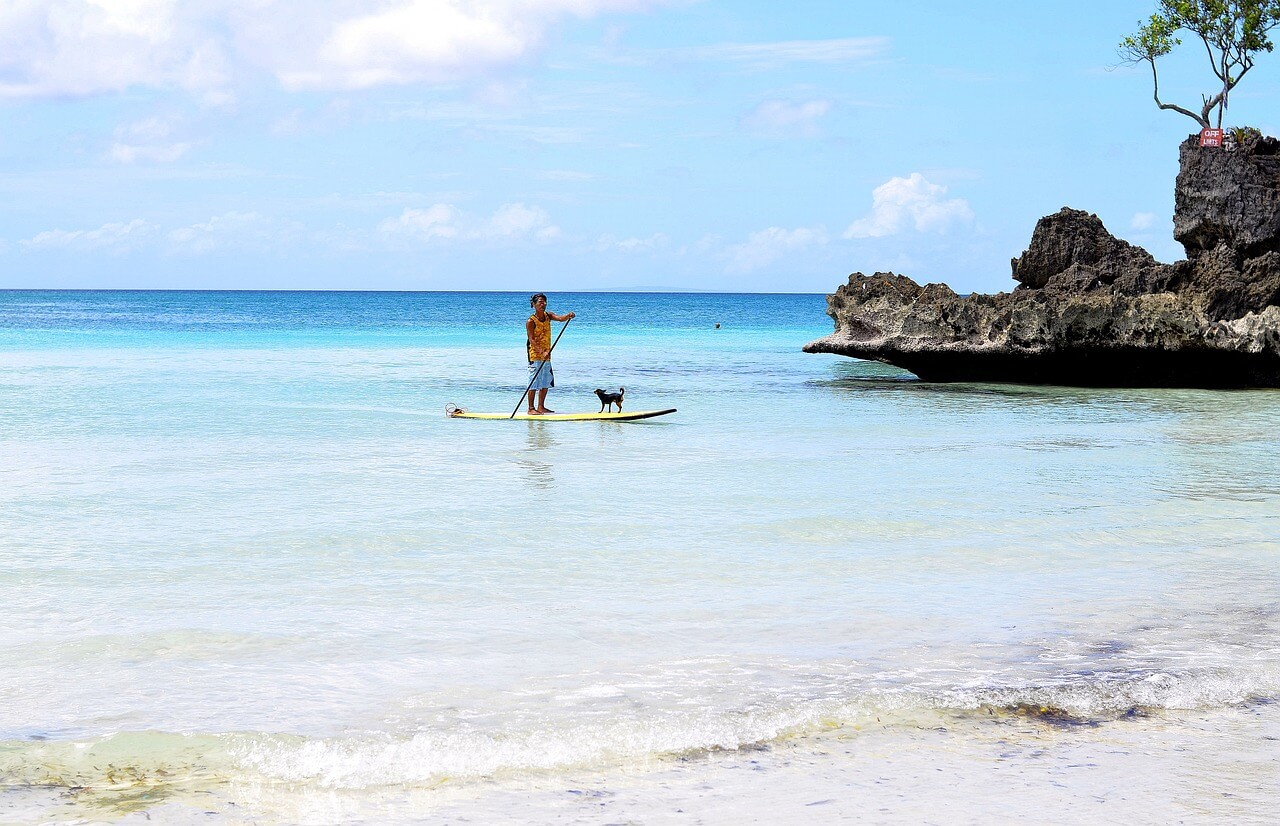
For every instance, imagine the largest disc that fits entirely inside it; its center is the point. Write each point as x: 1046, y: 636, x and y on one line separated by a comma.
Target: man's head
x: 536, y: 297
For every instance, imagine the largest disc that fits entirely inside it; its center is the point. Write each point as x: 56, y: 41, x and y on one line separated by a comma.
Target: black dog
x: 610, y: 399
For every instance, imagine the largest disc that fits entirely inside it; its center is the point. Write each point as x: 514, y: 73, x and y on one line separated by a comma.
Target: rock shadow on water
x: 864, y: 377
x: 1212, y: 408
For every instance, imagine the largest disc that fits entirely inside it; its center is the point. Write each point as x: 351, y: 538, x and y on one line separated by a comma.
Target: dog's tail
x: 622, y: 391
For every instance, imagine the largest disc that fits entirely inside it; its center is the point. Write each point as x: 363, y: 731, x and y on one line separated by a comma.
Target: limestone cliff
x: 1091, y: 309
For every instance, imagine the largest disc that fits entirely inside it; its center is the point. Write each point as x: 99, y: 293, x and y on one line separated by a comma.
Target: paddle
x: 535, y: 375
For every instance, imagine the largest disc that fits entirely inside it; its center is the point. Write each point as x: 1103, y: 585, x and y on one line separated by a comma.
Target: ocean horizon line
x: 626, y: 290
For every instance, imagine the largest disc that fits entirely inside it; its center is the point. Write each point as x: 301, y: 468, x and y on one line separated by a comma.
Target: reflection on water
x: 535, y: 459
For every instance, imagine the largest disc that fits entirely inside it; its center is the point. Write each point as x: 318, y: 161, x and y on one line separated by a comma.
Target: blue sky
x: 574, y: 144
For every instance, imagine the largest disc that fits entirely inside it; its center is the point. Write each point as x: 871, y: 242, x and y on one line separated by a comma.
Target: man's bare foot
x: 544, y: 410
x: 533, y: 412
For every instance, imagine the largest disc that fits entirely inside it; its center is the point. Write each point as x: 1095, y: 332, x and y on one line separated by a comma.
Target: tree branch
x: 1213, y: 60
x: 1203, y: 120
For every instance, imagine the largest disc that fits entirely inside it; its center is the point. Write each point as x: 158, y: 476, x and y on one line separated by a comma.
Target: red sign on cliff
x: 1211, y: 137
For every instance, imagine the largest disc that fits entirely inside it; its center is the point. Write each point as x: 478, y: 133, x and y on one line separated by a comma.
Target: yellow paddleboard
x: 628, y: 416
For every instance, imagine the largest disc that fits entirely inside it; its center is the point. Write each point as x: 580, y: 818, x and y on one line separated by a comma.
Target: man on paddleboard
x: 538, y: 342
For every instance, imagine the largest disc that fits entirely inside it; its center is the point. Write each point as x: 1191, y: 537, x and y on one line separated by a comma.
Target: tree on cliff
x: 1233, y: 33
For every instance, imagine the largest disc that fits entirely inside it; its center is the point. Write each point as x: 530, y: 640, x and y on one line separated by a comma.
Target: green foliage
x: 1243, y: 135
x: 1233, y: 33
x: 1155, y: 39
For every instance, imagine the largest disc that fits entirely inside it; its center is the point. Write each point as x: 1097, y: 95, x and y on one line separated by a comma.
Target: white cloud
x: 901, y: 204
x: 707, y: 243
x: 438, y: 221
x: 148, y: 140
x: 230, y: 229
x: 438, y: 40
x: 424, y: 40
x: 149, y: 130
x: 520, y: 221
x: 510, y: 222
x: 85, y: 47
x: 632, y: 245
x: 768, y: 245
x: 82, y: 47
x: 780, y: 117
x: 781, y: 53
x: 114, y: 237
x: 1143, y: 220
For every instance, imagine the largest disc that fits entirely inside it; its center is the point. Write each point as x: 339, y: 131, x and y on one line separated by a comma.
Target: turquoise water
x: 251, y: 569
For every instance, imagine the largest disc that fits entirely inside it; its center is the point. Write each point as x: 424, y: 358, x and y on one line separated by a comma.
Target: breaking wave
x: 461, y: 751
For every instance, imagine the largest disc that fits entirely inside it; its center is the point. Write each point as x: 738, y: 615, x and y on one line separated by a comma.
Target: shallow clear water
x: 249, y: 565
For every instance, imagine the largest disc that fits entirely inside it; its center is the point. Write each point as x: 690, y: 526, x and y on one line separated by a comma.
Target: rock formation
x: 1091, y: 309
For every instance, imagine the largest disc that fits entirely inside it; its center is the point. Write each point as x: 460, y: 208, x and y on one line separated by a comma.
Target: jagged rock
x: 1091, y: 309
x: 1071, y: 250
x: 1228, y: 199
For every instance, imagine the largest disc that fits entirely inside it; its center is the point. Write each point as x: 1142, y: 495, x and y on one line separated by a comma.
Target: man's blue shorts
x: 541, y: 376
